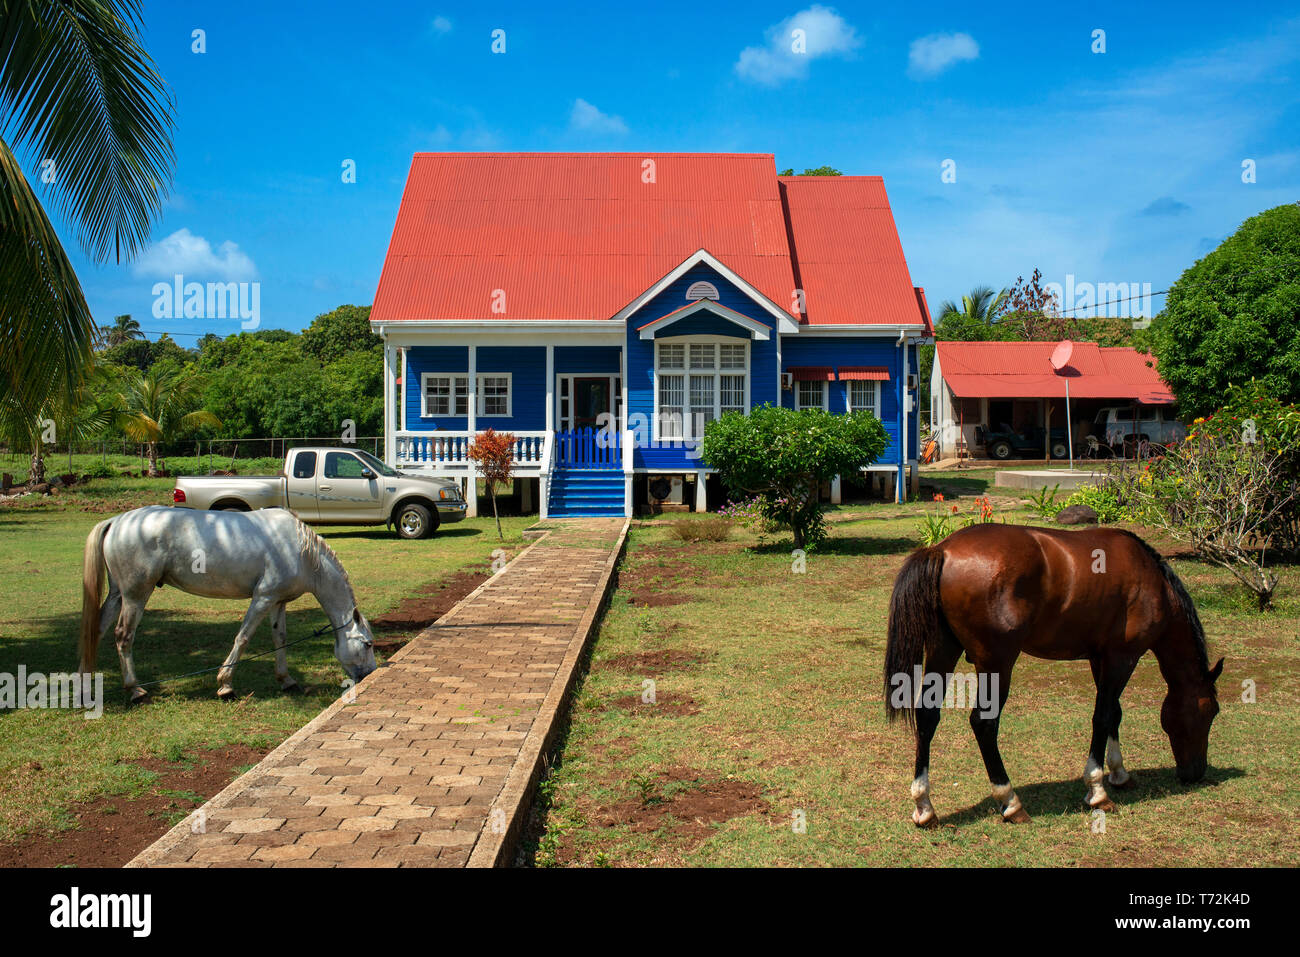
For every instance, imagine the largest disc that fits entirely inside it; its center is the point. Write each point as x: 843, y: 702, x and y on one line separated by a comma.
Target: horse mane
x: 1180, y: 593
x: 316, y: 551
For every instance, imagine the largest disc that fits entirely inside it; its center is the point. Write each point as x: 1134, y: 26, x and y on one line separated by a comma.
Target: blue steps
x: 582, y: 492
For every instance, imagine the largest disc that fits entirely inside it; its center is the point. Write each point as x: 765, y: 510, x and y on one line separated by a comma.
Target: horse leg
x: 128, y: 620
x: 985, y: 728
x: 252, y: 618
x: 1110, y: 677
x: 279, y: 632
x: 927, y: 720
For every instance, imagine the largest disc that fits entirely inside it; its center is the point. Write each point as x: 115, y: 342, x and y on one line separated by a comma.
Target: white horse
x: 266, y: 555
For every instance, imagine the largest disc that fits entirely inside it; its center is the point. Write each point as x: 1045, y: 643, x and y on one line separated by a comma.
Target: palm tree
x: 81, y: 97
x: 123, y: 329
x: 161, y: 405
x: 980, y: 308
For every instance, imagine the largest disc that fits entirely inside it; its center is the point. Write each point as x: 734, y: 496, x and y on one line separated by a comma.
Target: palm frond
x: 80, y: 91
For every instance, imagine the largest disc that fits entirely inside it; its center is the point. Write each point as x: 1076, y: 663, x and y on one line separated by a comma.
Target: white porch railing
x: 448, y: 451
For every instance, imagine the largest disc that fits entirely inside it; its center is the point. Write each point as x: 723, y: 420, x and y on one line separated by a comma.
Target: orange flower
x: 938, y: 497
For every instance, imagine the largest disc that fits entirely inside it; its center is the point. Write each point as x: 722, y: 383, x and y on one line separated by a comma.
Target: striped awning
x: 812, y: 373
x: 861, y: 373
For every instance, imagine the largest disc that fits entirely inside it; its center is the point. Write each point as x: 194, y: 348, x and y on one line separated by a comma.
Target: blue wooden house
x: 604, y: 307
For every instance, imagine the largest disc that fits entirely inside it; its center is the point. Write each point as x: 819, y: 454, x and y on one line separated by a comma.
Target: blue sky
x: 1122, y: 166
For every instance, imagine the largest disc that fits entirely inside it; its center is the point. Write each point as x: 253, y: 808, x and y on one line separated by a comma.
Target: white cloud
x: 930, y: 56
x: 589, y: 119
x: 794, y: 42
x: 193, y: 257
x: 441, y: 25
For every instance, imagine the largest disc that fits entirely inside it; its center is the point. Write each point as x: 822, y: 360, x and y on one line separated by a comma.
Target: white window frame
x: 478, y: 395
x: 824, y: 405
x: 480, y: 398
x: 687, y: 370
x: 874, y: 408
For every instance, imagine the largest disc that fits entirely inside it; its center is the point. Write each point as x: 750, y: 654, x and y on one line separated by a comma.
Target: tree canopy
x: 1235, y: 315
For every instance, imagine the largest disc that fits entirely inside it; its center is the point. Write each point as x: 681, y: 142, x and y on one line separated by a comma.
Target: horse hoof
x: 1018, y: 816
x: 226, y: 694
x: 138, y: 696
x: 1124, y: 785
x: 927, y: 820
x: 1106, y: 805
x: 292, y: 688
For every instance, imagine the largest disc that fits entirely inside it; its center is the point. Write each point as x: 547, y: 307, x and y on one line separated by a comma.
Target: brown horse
x: 995, y: 591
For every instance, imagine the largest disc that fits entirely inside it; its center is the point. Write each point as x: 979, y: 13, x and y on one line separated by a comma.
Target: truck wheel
x: 1059, y: 450
x: 1000, y: 449
x: 414, y: 521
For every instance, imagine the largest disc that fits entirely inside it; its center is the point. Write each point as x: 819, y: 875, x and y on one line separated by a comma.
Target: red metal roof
x: 1005, y: 370
x: 863, y: 373
x: 812, y: 373
x: 580, y: 235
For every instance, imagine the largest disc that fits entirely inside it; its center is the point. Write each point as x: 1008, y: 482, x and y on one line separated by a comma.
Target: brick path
x: 433, y: 762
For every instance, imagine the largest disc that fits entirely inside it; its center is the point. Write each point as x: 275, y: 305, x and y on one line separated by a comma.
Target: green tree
x: 782, y: 456
x: 1235, y: 315
x: 162, y: 406
x: 123, y: 329
x: 819, y: 171
x: 333, y: 334
x: 79, y: 94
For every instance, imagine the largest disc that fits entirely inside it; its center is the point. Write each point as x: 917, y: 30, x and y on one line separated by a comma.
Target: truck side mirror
x: 367, y: 474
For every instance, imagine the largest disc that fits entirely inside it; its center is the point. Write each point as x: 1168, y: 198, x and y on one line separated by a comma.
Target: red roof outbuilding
x: 1007, y: 370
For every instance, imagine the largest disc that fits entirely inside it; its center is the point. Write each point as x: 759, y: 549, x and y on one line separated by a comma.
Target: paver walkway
x: 433, y: 761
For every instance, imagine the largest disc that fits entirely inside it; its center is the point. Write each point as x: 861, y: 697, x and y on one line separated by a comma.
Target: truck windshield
x: 379, y: 467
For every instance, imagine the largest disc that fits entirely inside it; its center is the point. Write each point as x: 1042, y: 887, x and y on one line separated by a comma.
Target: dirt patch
x: 422, y: 609
x: 656, y: 662
x: 668, y: 703
x: 691, y: 801
x: 113, y: 829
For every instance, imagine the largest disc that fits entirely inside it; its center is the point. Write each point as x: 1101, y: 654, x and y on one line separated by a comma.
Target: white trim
x: 575, y: 325
x: 857, y: 329
x: 405, y: 385
x: 825, y: 405
x: 550, y: 388
x: 757, y: 330
x: 786, y: 322
x: 470, y: 422
x: 687, y: 371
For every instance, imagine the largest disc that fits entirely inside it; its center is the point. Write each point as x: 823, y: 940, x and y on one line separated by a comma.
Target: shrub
x: 713, y: 528
x: 782, y: 456
x: 99, y: 470
x: 1105, y: 499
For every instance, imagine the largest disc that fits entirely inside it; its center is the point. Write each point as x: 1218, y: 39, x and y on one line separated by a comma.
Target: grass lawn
x: 51, y: 759
x: 768, y: 712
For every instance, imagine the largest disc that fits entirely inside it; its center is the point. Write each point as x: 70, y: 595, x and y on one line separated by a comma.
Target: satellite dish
x: 1061, y: 355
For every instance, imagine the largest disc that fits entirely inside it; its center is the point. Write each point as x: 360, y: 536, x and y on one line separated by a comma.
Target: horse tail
x: 92, y: 589
x: 915, y: 622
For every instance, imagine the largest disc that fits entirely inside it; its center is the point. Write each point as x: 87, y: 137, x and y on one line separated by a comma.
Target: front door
x: 590, y: 401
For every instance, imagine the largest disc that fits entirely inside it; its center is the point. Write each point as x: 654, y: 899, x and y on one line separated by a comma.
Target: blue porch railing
x: 589, y: 449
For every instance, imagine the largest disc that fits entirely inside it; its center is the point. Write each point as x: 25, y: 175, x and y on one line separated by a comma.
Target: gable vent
x: 702, y: 290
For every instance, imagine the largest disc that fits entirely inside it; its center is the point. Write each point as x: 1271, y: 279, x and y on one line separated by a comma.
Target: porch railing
x: 589, y: 449
x: 450, y: 450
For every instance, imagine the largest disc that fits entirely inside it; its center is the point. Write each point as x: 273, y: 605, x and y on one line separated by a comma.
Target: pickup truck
x: 1117, y: 426
x: 333, y: 486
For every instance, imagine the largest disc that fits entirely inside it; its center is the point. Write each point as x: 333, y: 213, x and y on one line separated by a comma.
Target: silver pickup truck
x: 331, y: 486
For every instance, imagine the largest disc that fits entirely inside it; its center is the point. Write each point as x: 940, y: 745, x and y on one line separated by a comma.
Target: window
x: 444, y: 394
x: 343, y: 465
x: 448, y: 394
x: 810, y: 394
x: 494, y: 395
x: 864, y: 394
x: 304, y: 465
x: 696, y: 382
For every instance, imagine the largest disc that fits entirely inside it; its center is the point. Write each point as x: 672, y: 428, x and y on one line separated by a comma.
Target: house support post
x: 471, y: 425
x: 836, y: 493
x: 701, y: 492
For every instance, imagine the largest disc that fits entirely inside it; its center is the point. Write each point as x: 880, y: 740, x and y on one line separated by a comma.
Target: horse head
x: 1186, y: 716
x: 354, y: 646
